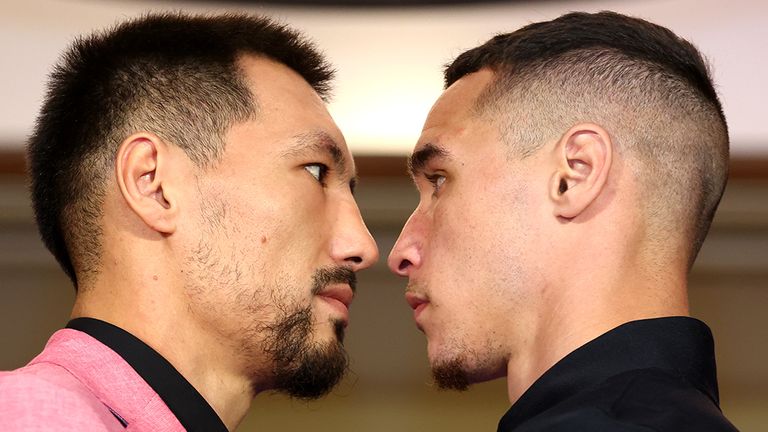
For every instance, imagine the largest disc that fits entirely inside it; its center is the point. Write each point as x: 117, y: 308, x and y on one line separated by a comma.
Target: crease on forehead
x: 318, y: 141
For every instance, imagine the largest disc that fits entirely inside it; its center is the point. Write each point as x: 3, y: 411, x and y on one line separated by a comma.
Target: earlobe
x: 141, y: 175
x: 583, y: 160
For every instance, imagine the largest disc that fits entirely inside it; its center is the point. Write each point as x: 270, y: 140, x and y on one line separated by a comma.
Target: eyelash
x: 434, y: 179
x: 321, y: 175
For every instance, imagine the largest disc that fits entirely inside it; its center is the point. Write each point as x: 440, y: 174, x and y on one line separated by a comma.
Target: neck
x: 591, y: 297
x: 131, y: 301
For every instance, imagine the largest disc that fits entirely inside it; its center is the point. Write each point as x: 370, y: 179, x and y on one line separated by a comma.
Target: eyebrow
x: 419, y: 159
x: 321, y: 142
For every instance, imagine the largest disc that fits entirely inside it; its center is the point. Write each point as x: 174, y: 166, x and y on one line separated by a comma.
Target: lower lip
x: 418, y: 310
x: 339, y: 307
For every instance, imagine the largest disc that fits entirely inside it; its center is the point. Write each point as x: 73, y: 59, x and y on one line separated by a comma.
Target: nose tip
x: 397, y: 263
x: 367, y: 254
x: 354, y: 244
x: 372, y: 252
x: 406, y: 254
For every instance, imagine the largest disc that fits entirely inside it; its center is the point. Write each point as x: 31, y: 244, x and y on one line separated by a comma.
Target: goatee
x: 302, y: 368
x: 450, y: 375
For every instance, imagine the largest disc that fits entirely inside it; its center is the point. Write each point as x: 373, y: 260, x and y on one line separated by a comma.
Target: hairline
x: 74, y: 217
x: 493, y: 101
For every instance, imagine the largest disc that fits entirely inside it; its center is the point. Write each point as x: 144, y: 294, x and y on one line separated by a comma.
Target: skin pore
x: 515, y: 262
x: 227, y: 262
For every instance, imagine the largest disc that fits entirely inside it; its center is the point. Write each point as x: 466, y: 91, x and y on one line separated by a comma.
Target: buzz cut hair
x: 172, y: 74
x: 650, y: 89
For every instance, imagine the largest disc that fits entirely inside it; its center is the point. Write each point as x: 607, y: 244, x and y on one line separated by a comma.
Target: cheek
x: 286, y: 227
x: 479, y: 252
x: 288, y: 240
x: 463, y: 237
x: 455, y: 263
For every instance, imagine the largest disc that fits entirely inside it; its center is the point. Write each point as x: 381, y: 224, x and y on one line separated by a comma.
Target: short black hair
x: 172, y: 74
x: 621, y: 72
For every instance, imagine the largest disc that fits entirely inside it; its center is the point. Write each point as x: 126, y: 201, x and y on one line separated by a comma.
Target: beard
x: 295, y: 363
x: 450, y: 375
x: 303, y: 368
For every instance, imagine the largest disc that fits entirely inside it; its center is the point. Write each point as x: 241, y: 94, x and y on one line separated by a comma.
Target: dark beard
x: 301, y: 368
x: 450, y: 376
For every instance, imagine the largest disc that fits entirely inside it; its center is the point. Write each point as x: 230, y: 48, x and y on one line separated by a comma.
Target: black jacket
x: 649, y: 375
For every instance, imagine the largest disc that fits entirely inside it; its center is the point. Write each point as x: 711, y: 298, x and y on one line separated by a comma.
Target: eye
x: 318, y: 171
x: 437, y: 181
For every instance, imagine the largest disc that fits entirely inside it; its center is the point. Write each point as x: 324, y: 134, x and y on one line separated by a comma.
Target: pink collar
x: 111, y: 380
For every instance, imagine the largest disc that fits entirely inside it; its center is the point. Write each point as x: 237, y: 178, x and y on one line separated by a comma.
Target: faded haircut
x: 175, y: 75
x: 650, y: 89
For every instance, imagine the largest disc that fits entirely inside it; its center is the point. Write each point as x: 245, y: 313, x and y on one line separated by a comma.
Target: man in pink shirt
x: 190, y: 181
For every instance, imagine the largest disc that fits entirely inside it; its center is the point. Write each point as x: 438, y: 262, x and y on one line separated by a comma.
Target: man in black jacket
x: 568, y: 177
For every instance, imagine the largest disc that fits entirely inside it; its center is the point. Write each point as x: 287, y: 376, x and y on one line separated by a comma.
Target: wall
x: 389, y: 388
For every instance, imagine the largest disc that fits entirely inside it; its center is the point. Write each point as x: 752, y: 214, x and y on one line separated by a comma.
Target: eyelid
x: 434, y: 178
x: 322, y: 171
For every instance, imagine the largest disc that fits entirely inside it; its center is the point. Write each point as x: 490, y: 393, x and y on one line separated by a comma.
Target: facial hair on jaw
x: 302, y: 368
x: 450, y: 375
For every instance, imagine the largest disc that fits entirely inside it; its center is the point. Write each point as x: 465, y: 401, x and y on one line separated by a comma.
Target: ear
x: 142, y: 169
x: 583, y: 160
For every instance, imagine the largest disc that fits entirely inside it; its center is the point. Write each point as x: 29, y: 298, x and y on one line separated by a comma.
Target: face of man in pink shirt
x: 275, y: 237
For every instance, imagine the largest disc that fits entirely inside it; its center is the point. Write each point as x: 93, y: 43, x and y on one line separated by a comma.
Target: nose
x: 353, y: 246
x: 406, y: 253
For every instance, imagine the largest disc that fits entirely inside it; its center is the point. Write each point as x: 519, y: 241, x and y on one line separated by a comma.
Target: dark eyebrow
x: 419, y: 159
x: 319, y: 141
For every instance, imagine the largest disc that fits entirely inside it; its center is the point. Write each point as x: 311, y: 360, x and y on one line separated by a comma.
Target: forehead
x: 288, y: 108
x: 454, y: 110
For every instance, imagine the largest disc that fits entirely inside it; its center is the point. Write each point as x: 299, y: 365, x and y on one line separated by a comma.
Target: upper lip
x: 414, y: 300
x: 340, y: 292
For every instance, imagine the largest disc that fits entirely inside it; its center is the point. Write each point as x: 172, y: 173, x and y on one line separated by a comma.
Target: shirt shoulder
x: 648, y: 400
x: 584, y: 418
x: 46, y: 397
x: 666, y: 402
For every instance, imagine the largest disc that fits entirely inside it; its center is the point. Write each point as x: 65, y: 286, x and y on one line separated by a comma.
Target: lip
x: 418, y: 303
x: 339, y: 297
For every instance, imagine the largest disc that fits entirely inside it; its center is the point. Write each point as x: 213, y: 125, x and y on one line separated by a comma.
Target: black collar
x: 184, y: 401
x: 679, y: 345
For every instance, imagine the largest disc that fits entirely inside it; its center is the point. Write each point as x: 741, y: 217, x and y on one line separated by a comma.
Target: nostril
x: 404, y: 264
x: 355, y: 259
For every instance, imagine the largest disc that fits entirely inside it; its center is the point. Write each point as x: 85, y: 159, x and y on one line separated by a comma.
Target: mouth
x: 418, y: 303
x: 339, y: 297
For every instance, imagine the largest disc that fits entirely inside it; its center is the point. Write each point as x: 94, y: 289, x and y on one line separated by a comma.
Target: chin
x: 311, y: 368
x: 456, y: 370
x: 331, y: 334
x: 339, y: 330
x: 450, y: 374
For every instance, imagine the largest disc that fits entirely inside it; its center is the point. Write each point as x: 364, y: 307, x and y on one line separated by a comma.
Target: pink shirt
x: 74, y: 385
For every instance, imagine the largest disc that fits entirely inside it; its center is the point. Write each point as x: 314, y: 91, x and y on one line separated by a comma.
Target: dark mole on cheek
x: 263, y: 239
x: 154, y: 277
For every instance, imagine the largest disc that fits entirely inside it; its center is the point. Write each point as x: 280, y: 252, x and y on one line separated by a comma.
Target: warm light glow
x: 384, y: 120
x: 389, y: 61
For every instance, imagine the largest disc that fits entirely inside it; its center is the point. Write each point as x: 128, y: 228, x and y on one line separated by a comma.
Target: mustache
x: 414, y: 288
x: 332, y: 275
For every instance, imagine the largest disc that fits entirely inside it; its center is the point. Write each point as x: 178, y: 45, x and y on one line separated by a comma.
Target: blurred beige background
x: 387, y: 80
